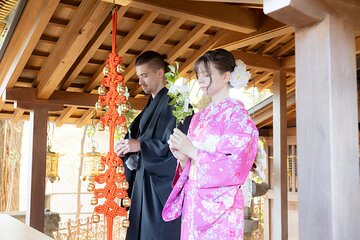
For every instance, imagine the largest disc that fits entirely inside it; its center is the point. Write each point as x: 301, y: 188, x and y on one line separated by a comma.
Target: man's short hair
x: 154, y: 59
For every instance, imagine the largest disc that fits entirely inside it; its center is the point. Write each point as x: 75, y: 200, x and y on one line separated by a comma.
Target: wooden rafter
x: 134, y: 34
x: 256, y: 80
x: 17, y: 115
x: 32, y: 23
x: 288, y: 62
x: 88, y: 17
x: 85, y: 117
x: 93, y: 46
x: 270, y: 45
x: 232, y: 1
x: 65, y: 115
x: 185, y: 43
x: 156, y: 43
x: 60, y: 97
x: 180, y: 48
x: 187, y: 65
x: 236, y: 19
x: 259, y: 62
x: 270, y: 29
x: 284, y: 49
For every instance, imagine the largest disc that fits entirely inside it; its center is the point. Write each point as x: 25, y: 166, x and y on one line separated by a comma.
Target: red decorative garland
x: 111, y: 95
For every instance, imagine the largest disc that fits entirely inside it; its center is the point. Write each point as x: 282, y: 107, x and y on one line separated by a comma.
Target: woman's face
x: 219, y: 80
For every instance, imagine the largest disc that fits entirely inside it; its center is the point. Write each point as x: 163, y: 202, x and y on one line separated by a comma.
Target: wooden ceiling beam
x: 284, y: 49
x: 188, y: 64
x: 85, y: 118
x: 186, y: 42
x: 65, y: 115
x: 297, y: 13
x: 259, y: 119
x: 256, y: 80
x: 17, y: 115
x: 232, y: 1
x: 269, y: 30
x: 273, y: 43
x: 259, y: 62
x: 180, y: 48
x: 125, y: 45
x: 86, y: 21
x: 288, y: 62
x: 236, y: 18
x: 60, y: 97
x: 31, y: 25
x: 156, y: 43
x: 93, y: 46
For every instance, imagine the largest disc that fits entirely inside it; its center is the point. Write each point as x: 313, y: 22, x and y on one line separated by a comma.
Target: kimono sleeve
x: 231, y: 160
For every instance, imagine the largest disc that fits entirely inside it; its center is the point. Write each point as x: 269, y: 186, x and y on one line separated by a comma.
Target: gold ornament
x: 126, y: 202
x: 125, y: 223
x: 96, y: 218
x: 120, y: 88
x: 120, y: 169
x: 98, y: 105
x: 91, y: 187
x: 102, y: 90
x: 120, y: 68
x: 124, y: 185
x: 94, y: 200
x: 125, y: 107
x: 106, y: 70
x: 100, y: 126
x: 101, y: 167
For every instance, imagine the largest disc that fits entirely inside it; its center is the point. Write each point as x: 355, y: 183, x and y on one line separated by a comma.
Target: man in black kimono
x: 150, y: 181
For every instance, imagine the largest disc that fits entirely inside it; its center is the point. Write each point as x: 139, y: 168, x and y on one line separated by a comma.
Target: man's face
x: 149, y: 79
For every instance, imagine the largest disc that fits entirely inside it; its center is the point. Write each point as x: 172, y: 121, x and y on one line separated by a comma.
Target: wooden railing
x: 82, y: 229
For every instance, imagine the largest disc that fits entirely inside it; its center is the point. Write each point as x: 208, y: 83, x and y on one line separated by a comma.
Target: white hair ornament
x: 239, y: 77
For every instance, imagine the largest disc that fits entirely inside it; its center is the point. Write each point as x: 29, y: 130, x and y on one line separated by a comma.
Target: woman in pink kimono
x: 214, y: 158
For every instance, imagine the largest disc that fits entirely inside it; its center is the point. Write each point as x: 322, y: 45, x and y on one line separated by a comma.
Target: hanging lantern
x: 92, y: 160
x: 52, y: 164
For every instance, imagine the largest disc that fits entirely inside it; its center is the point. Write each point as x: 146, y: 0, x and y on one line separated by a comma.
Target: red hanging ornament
x: 111, y: 99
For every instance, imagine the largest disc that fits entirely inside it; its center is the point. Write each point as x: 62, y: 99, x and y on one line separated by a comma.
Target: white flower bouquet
x: 179, y: 92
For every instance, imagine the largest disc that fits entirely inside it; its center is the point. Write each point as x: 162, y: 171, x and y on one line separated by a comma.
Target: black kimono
x: 151, y: 183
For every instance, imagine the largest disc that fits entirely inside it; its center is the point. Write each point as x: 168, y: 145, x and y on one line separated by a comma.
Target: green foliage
x: 179, y: 93
x: 90, y: 130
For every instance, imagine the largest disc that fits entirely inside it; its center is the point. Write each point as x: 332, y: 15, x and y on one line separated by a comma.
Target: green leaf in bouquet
x: 172, y: 68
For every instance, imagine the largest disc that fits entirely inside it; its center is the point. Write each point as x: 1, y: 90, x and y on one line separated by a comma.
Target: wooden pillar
x: 327, y: 131
x: 280, y: 214
x: 37, y: 169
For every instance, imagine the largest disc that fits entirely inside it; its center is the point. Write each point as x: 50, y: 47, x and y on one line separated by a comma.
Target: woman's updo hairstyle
x: 222, y: 60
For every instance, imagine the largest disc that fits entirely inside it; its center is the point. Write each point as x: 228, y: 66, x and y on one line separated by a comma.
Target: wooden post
x: 37, y: 169
x: 327, y: 131
x: 280, y: 215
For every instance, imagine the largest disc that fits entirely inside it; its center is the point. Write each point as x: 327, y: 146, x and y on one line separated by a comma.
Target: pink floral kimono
x: 207, y: 191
